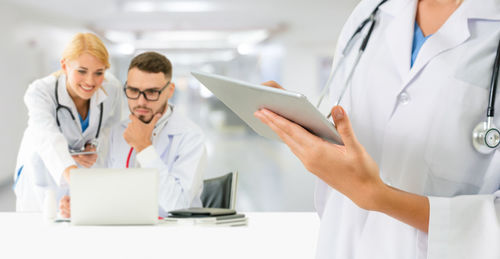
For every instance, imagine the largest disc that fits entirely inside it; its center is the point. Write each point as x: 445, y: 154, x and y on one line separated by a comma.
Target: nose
x: 90, y: 80
x: 142, y: 100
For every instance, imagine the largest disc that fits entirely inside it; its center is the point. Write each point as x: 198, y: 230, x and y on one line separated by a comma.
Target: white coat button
x: 404, y: 98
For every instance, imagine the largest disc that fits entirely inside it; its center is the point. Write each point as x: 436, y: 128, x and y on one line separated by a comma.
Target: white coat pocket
x: 455, y: 167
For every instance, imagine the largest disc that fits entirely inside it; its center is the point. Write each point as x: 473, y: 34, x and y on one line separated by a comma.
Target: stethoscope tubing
x: 494, y: 79
x: 493, y: 85
x: 481, y: 134
x: 60, y: 106
x: 370, y: 20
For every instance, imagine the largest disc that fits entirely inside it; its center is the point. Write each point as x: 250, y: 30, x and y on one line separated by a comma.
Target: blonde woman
x: 69, y: 113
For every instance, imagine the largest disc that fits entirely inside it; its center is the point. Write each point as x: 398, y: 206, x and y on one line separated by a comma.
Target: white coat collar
x: 455, y: 31
x: 175, y: 124
x: 452, y: 33
x: 163, y: 121
x: 399, y: 32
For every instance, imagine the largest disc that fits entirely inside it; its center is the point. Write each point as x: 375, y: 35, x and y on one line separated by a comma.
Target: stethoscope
x: 485, y: 136
x: 60, y: 106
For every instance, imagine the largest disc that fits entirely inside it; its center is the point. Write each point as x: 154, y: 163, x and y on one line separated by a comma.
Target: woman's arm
x: 48, y: 141
x: 349, y: 169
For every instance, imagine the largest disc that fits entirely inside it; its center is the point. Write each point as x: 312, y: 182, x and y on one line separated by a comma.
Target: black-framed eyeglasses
x: 149, y: 94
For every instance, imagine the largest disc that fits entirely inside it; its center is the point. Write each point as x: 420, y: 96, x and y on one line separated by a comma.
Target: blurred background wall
x: 289, y: 41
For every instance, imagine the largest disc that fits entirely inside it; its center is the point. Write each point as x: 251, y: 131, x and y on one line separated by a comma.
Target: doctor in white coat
x: 408, y: 183
x: 70, y: 109
x: 156, y: 135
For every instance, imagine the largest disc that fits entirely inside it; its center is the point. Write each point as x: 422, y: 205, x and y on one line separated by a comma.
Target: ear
x: 64, y: 66
x: 170, y: 90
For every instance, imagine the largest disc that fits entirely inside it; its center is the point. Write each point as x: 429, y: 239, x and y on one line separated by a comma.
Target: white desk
x: 268, y: 235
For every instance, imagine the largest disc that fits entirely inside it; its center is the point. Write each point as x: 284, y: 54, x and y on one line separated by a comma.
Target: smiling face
x: 84, y: 75
x: 142, y: 81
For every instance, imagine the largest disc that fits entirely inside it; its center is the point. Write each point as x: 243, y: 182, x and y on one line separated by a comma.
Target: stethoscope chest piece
x: 485, y: 138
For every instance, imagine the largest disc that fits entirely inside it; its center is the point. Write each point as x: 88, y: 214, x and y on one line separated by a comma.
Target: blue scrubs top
x: 418, y: 42
x: 84, y: 123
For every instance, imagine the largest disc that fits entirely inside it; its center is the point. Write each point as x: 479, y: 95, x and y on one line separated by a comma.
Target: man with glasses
x: 158, y: 136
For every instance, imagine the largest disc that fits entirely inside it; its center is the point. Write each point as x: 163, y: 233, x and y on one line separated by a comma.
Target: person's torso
x: 169, y: 138
x: 415, y: 122
x: 34, y: 177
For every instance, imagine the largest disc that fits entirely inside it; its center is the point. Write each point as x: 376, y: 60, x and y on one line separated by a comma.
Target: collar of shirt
x: 162, y: 122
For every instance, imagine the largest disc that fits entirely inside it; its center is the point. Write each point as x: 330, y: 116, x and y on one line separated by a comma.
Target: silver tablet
x: 244, y: 99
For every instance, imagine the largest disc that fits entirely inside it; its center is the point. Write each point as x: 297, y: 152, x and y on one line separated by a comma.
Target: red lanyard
x: 129, y: 155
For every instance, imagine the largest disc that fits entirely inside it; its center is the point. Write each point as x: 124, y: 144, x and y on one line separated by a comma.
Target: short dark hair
x: 152, y: 62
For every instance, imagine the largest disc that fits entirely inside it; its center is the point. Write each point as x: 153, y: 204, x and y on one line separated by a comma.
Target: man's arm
x: 180, y: 182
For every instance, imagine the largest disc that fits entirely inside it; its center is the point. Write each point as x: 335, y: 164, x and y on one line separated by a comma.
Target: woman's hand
x: 66, y: 172
x: 65, y: 207
x: 349, y: 168
x: 87, y: 160
x: 273, y: 84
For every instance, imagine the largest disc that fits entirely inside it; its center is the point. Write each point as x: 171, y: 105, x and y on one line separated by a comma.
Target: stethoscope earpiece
x: 485, y: 138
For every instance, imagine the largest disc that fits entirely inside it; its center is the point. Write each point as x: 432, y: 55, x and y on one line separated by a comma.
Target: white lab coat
x: 178, y: 152
x: 417, y: 124
x: 44, y: 154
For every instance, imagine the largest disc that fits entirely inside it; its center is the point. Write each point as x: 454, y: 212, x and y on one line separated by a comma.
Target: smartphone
x: 78, y: 152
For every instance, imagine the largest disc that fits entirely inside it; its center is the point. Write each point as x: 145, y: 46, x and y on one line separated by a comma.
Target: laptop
x: 114, y: 196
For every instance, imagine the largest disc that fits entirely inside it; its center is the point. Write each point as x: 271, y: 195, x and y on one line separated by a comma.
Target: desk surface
x: 268, y: 235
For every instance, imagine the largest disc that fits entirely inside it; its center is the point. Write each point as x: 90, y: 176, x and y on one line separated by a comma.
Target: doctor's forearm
x: 171, y: 193
x: 406, y: 207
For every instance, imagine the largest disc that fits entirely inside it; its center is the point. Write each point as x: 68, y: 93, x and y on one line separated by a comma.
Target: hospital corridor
x: 339, y: 129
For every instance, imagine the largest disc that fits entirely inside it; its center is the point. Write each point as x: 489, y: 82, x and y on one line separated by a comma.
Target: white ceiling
x: 303, y: 21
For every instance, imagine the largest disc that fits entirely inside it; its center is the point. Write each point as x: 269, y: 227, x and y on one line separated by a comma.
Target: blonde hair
x: 85, y: 43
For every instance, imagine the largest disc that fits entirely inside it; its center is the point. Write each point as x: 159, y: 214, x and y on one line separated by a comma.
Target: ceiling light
x: 158, y: 6
x: 120, y: 36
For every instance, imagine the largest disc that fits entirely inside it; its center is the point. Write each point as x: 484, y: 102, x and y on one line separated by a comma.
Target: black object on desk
x: 201, y: 212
